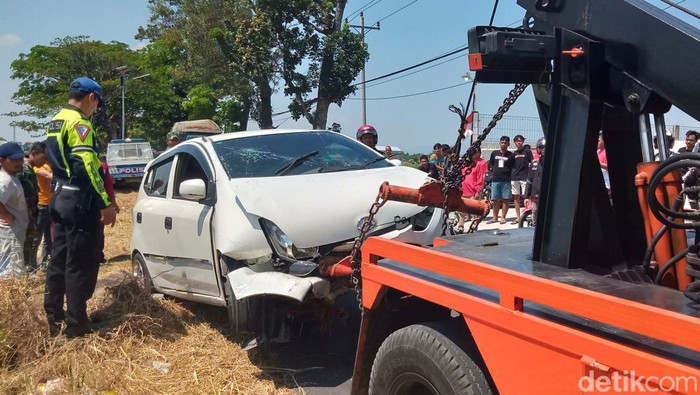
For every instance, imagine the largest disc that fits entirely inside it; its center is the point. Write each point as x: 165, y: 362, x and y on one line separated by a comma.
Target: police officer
x: 80, y: 207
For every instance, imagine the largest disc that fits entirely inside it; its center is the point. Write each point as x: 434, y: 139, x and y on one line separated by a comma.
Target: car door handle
x: 168, y: 223
x: 138, y: 218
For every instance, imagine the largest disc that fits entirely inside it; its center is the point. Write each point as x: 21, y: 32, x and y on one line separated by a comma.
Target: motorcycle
x: 526, y: 219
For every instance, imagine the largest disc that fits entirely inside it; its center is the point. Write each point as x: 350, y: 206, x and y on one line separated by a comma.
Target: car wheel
x: 237, y: 311
x: 140, y: 273
x: 430, y: 358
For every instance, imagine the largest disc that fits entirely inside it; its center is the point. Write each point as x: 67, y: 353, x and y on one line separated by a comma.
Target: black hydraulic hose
x: 691, y: 159
x: 652, y: 244
x: 692, y: 291
x: 669, y: 264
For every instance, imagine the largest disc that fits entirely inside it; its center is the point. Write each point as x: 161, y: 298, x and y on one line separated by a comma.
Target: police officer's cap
x: 173, y: 136
x: 85, y: 84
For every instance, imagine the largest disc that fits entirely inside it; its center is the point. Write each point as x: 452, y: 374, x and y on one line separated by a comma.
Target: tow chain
x: 452, y: 174
x: 355, y: 277
x: 452, y: 178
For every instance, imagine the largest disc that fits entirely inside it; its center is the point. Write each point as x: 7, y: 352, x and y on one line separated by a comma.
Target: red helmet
x: 367, y: 129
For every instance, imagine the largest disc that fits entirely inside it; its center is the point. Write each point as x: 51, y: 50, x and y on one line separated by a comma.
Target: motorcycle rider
x: 368, y: 135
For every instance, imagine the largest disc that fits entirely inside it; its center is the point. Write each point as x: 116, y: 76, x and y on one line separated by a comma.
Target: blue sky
x: 423, y: 30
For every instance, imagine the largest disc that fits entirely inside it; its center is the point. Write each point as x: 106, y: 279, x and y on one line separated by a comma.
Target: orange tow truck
x: 603, y: 295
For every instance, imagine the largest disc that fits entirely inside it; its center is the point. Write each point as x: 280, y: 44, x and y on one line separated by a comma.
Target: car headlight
x: 283, y: 245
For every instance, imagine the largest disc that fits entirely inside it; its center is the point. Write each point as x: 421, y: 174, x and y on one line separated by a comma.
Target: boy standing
x: 13, y: 211
x: 500, y: 187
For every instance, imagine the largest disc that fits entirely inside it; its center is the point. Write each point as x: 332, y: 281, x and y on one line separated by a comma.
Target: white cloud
x: 9, y: 40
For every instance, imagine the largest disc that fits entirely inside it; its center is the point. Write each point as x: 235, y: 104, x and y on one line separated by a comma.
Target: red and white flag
x: 468, y: 126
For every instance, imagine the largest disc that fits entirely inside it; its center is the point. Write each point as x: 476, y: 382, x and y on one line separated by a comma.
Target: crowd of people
x: 514, y: 176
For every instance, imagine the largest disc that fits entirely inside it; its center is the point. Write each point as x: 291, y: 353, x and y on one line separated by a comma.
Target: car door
x: 187, y: 225
x: 149, y: 218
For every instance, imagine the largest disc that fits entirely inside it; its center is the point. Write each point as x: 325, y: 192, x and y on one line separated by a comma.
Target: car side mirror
x: 193, y: 189
x: 395, y: 162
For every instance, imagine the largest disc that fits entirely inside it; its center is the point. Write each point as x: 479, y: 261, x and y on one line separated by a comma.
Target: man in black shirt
x: 690, y: 175
x: 428, y: 167
x: 500, y: 186
x: 534, y: 181
x: 519, y: 162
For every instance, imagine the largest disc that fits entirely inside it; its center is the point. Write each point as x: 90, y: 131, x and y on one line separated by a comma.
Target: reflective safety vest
x: 70, y: 143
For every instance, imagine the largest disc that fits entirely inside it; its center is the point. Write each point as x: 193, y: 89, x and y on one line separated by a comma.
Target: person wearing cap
x: 79, y: 208
x: 13, y: 211
x: 172, y: 139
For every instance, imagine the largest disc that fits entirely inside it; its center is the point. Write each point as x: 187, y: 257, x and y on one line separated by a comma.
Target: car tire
x: 140, y: 272
x: 434, y: 358
x: 237, y: 311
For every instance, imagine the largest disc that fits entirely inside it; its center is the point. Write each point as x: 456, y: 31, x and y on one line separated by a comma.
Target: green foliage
x: 201, y: 103
x: 246, y: 50
x: 152, y: 103
x: 229, y: 115
x: 411, y: 160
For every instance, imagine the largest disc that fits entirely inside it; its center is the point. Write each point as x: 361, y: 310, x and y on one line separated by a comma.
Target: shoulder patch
x: 82, y: 130
x: 56, y: 126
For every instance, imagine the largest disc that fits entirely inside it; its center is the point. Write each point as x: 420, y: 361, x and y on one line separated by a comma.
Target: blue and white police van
x: 127, y: 158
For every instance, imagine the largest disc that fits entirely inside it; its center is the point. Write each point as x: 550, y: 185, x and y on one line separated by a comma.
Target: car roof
x: 262, y: 132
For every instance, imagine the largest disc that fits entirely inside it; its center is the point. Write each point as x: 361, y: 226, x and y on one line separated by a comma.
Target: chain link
x: 452, y: 176
x: 355, y: 277
x: 452, y: 179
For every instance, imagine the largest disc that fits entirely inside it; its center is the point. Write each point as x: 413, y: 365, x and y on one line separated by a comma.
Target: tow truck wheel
x: 140, y: 273
x: 431, y: 358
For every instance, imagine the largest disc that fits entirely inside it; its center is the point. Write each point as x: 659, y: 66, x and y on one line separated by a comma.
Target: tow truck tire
x: 433, y: 358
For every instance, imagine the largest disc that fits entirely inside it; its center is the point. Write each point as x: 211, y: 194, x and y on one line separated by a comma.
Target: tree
x: 187, y: 25
x: 46, y: 72
x: 300, y: 43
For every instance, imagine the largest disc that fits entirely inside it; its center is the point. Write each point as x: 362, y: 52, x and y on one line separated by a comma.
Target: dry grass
x: 149, y: 346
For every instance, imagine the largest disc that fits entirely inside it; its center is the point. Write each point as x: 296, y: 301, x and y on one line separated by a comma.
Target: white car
x: 229, y: 219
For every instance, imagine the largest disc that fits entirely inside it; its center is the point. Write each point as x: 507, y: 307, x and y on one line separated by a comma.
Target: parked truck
x: 603, y: 295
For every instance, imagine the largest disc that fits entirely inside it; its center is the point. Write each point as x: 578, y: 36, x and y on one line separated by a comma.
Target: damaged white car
x: 236, y: 219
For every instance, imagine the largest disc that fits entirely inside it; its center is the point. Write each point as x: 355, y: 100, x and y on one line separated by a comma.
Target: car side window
x: 188, y: 168
x: 157, y: 179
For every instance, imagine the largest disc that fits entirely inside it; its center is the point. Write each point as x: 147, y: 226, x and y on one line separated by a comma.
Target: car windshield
x: 140, y: 151
x: 273, y: 155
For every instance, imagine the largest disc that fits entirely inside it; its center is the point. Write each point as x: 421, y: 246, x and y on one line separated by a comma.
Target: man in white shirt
x: 14, y: 218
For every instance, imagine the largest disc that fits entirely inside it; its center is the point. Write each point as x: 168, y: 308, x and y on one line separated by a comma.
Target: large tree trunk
x: 265, y: 91
x: 246, y: 113
x: 324, y: 96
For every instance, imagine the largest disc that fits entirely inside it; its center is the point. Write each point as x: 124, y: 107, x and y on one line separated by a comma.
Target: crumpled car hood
x: 319, y: 209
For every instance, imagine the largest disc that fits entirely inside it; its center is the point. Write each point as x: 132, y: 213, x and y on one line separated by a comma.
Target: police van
x: 127, y: 158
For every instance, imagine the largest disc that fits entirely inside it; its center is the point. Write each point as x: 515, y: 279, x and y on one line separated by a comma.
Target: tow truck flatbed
x: 512, y: 250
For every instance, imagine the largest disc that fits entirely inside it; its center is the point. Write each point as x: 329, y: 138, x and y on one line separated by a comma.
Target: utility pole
x: 362, y: 28
x: 14, y: 133
x: 121, y: 70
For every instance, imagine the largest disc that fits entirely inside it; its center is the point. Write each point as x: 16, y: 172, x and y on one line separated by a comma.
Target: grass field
x: 149, y: 345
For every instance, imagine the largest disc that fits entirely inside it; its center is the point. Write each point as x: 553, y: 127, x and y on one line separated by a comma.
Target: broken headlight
x: 283, y: 245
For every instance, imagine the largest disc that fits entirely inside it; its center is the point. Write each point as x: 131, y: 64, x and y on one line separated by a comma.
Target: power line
x: 413, y: 94
x: 417, y: 71
x: 678, y: 7
x: 366, y: 7
x: 413, y: 2
x: 435, y: 59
